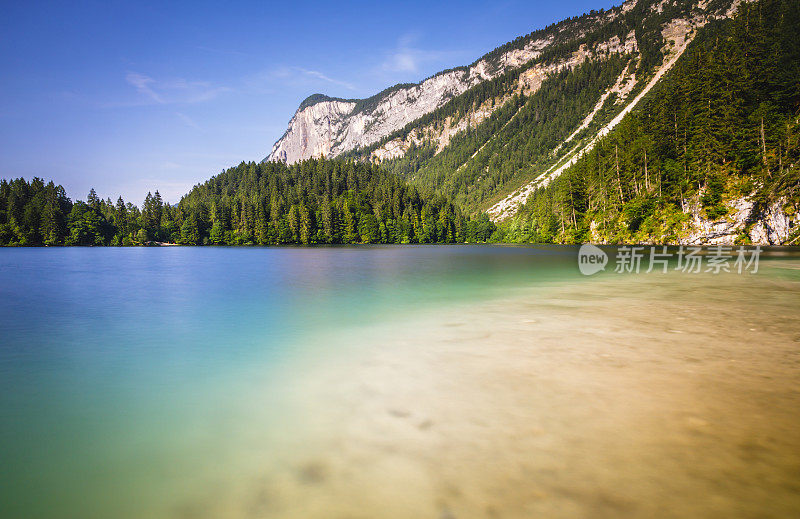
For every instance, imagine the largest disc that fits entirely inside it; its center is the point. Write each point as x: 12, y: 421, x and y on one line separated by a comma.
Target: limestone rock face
x: 774, y: 227
x: 325, y: 126
x: 329, y: 127
x: 312, y: 131
x: 771, y: 225
x: 332, y: 127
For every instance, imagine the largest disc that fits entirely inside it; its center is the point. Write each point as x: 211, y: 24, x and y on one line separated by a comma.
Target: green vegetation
x: 514, y: 143
x: 723, y: 124
x: 518, y: 139
x: 32, y: 213
x: 313, y: 202
x: 323, y: 201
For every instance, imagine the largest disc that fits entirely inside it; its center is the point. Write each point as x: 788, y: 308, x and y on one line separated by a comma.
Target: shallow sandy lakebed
x: 625, y: 396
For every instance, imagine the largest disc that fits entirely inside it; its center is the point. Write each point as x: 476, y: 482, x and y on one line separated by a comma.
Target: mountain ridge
x: 319, y: 126
x: 408, y: 128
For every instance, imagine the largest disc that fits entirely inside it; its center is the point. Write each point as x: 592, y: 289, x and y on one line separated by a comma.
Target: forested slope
x: 716, y: 141
x: 324, y: 201
x: 501, y: 134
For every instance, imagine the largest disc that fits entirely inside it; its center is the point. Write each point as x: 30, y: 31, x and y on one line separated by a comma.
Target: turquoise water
x: 143, y: 382
x: 125, y: 373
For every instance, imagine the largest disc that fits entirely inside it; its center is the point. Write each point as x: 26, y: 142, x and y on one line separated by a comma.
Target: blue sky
x: 129, y: 97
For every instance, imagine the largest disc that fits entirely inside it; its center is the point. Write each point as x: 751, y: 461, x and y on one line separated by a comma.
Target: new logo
x: 591, y: 259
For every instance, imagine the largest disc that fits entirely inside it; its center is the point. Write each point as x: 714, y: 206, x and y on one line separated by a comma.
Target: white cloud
x: 323, y: 77
x: 173, y: 91
x: 142, y: 84
x: 402, y: 61
x: 188, y: 121
x: 298, y: 76
x: 407, y: 57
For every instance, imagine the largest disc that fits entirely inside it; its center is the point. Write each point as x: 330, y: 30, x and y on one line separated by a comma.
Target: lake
x: 393, y: 381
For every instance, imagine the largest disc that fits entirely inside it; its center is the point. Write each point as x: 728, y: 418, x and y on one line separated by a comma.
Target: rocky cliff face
x: 331, y: 127
x: 328, y: 127
x: 527, y: 83
x: 746, y: 222
x: 312, y: 131
x: 325, y: 126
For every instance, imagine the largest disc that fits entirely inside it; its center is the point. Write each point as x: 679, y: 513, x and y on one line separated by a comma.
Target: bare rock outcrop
x: 745, y: 221
x: 324, y: 126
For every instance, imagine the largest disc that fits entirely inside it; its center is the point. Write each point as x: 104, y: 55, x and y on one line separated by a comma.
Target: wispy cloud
x: 173, y: 91
x: 319, y: 75
x: 407, y: 56
x: 304, y: 75
x: 142, y: 84
x: 188, y: 121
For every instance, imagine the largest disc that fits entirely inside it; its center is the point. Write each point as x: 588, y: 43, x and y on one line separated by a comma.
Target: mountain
x: 325, y: 126
x: 330, y: 126
x: 490, y: 135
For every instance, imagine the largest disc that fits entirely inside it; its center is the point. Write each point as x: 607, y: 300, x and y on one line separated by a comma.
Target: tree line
x: 312, y: 202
